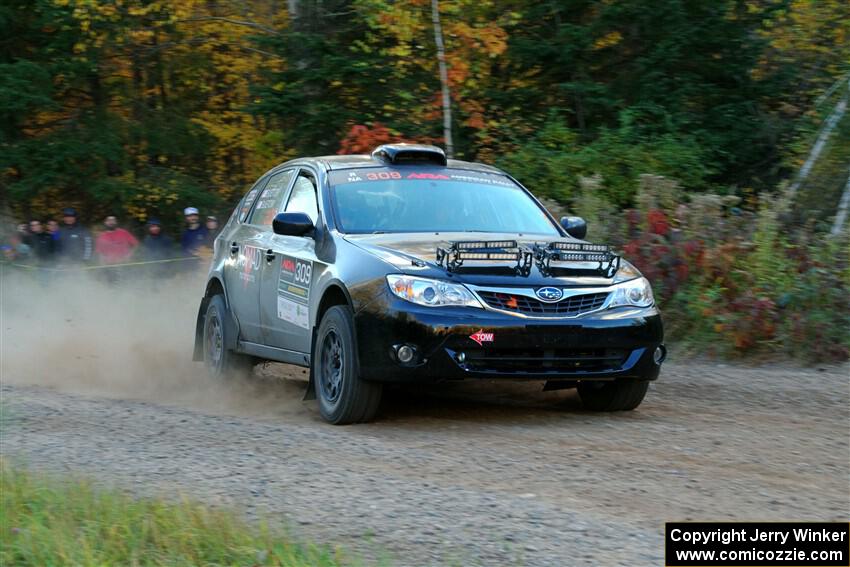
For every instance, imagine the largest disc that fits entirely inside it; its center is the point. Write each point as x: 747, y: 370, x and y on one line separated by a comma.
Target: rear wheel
x: 344, y: 397
x: 622, y: 395
x: 219, y: 360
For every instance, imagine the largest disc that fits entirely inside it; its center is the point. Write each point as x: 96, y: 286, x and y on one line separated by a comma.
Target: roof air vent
x: 399, y: 154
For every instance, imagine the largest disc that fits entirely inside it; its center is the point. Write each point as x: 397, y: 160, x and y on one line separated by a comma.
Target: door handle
x: 234, y: 248
x: 269, y: 255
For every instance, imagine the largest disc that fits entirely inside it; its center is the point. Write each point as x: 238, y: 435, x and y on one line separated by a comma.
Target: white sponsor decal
x: 293, y: 312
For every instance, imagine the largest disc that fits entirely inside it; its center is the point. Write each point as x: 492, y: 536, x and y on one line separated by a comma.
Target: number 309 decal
x: 383, y: 175
x: 303, y: 272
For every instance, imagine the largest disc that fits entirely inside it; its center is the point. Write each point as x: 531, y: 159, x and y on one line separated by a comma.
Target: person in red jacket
x: 114, y: 245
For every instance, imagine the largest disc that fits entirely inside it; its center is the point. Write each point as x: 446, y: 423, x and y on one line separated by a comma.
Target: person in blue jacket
x: 156, y: 245
x: 195, y: 234
x: 75, y: 241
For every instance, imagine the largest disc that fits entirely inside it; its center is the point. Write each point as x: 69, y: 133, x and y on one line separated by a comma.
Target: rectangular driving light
x: 488, y: 255
x: 579, y: 247
x: 485, y: 244
x: 582, y: 257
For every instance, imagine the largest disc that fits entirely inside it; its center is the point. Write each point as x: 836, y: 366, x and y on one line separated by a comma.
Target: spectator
x: 53, y: 231
x: 41, y: 242
x: 8, y: 251
x: 20, y: 249
x: 212, y: 231
x: 9, y: 244
x: 24, y: 231
x: 156, y: 245
x: 114, y: 245
x: 75, y: 241
x: 195, y: 234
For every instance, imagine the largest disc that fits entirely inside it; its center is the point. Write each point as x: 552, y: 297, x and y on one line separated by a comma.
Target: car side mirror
x: 292, y: 224
x: 575, y: 226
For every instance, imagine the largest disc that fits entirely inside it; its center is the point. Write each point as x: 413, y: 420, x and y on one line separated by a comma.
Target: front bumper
x: 606, y: 345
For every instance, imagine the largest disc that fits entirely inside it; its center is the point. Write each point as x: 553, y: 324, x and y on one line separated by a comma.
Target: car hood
x: 416, y: 254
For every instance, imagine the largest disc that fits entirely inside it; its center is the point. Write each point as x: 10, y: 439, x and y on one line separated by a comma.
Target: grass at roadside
x: 45, y: 521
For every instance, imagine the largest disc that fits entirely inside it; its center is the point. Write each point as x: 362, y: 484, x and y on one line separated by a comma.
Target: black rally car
x: 403, y: 266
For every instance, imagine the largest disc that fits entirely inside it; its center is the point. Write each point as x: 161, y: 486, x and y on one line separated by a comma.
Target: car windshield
x: 409, y: 199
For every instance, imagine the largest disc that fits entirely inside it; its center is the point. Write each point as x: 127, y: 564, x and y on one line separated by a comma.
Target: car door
x: 290, y: 269
x: 242, y: 271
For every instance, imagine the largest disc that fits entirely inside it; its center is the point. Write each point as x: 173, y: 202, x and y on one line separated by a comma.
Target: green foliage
x: 678, y: 71
x: 552, y: 162
x: 770, y: 266
x: 545, y: 163
x: 47, y: 522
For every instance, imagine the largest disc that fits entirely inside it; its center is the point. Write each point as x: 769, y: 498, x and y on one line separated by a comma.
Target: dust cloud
x: 79, y: 333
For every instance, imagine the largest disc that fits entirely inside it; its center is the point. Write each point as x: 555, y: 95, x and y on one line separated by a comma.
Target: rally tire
x: 621, y: 395
x: 221, y: 362
x: 343, y: 396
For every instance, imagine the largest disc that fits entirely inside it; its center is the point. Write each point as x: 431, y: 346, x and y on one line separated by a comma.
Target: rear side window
x: 249, y: 200
x: 270, y: 199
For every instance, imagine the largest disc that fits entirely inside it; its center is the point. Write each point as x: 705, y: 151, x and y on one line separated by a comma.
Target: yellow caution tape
x: 101, y: 267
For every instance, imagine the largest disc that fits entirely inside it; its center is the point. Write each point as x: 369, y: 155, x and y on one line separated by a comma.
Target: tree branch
x: 245, y: 23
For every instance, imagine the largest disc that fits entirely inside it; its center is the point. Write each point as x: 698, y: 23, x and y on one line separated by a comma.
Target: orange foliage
x: 362, y: 139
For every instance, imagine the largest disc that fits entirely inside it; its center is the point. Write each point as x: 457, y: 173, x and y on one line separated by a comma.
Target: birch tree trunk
x: 820, y: 143
x: 444, y: 77
x: 841, y: 215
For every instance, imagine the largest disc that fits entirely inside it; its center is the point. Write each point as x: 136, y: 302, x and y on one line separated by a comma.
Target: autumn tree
x: 136, y: 106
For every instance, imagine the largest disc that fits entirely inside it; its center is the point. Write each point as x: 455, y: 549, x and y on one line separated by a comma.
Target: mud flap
x: 310, y: 394
x: 198, y: 354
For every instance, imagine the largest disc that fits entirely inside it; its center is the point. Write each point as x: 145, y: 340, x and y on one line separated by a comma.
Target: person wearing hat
x: 195, y: 234
x: 156, y: 245
x: 212, y: 231
x: 75, y: 241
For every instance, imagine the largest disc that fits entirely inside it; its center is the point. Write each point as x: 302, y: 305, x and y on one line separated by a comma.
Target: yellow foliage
x: 608, y: 40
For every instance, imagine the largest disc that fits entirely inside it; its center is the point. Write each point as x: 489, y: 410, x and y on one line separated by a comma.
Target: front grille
x: 568, y: 307
x: 542, y: 361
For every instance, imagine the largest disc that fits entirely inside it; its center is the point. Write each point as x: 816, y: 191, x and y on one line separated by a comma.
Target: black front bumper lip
x: 623, y: 368
x: 439, y: 335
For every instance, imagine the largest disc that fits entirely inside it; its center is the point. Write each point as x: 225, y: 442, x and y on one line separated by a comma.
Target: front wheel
x: 344, y: 397
x: 219, y: 360
x: 622, y: 395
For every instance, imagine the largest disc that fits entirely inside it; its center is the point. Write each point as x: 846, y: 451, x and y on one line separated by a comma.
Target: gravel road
x: 479, y: 474
x: 469, y: 473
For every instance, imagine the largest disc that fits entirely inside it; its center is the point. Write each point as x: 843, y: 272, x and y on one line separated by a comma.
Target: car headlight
x: 636, y: 293
x: 433, y: 293
x: 626, y: 272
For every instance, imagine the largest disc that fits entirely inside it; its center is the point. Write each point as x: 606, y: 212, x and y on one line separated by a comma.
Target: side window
x: 303, y: 198
x: 249, y: 199
x: 269, y: 201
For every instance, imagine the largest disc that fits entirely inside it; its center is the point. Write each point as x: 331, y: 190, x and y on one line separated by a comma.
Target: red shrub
x: 362, y: 139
